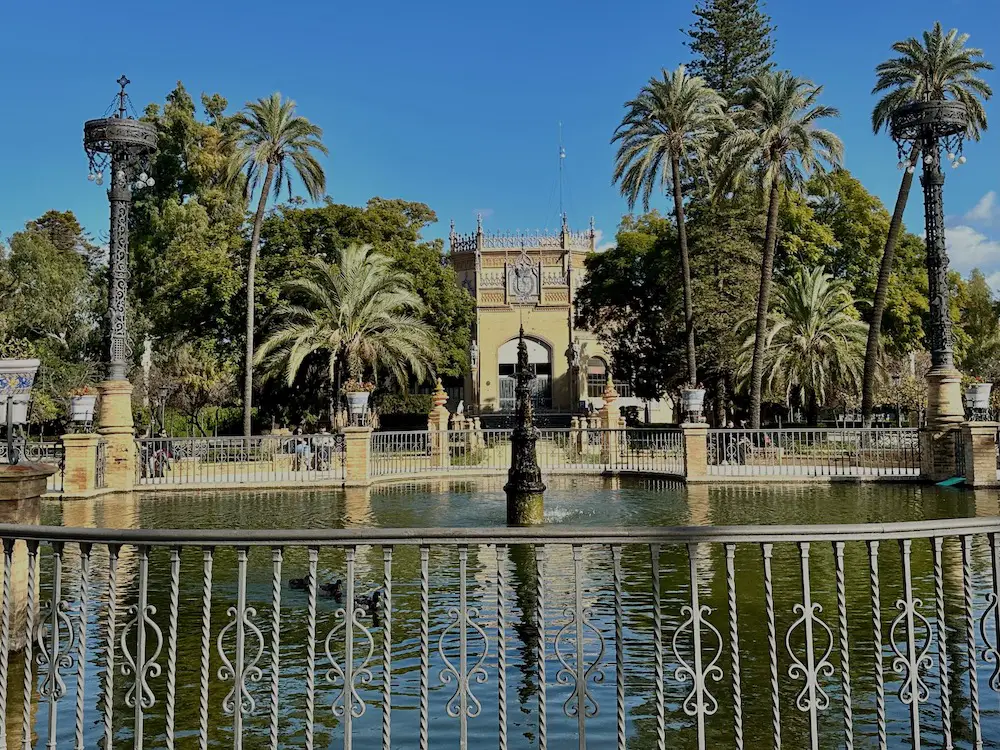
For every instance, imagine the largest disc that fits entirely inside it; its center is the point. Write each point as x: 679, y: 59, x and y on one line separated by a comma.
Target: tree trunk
x: 258, y: 220
x: 692, y: 367
x: 766, y: 271
x: 720, y: 401
x: 882, y: 291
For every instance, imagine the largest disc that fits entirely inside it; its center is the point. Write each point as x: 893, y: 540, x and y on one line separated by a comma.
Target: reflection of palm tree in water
x: 525, y: 584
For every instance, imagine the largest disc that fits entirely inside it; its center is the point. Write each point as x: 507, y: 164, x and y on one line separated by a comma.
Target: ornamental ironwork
x: 920, y: 129
x: 123, y: 145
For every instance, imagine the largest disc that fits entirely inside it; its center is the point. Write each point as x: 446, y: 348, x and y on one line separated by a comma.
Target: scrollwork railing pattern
x: 599, y: 584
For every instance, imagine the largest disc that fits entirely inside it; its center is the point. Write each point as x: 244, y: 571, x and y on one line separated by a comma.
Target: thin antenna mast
x: 562, y: 155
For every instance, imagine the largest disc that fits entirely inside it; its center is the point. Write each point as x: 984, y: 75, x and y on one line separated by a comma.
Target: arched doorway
x: 539, y: 362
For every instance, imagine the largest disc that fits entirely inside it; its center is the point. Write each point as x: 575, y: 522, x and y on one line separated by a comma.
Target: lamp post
x: 122, y: 145
x: 899, y: 407
x: 931, y: 125
x: 164, y: 393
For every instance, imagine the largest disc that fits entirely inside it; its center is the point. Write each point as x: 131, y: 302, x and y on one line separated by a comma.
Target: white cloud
x: 993, y: 280
x: 986, y: 211
x: 599, y: 245
x: 483, y: 213
x: 969, y: 248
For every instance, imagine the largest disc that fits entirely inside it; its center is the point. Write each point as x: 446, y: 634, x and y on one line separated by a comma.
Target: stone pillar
x: 437, y: 426
x: 80, y: 466
x: 357, y: 444
x: 695, y: 437
x: 21, y: 489
x: 611, y: 419
x: 980, y: 454
x: 118, y: 430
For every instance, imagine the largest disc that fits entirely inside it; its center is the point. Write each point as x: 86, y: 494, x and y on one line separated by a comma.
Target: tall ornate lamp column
x: 933, y: 124
x: 124, y: 144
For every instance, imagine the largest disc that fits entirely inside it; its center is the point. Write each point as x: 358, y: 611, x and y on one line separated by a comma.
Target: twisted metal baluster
x: 208, y: 554
x: 424, y: 643
x: 913, y: 690
x: 501, y: 646
x: 767, y: 550
x: 734, y: 645
x: 276, y: 559
x: 844, y: 643
x: 109, y: 652
x: 140, y: 695
x: 175, y: 573
x: 654, y: 559
x: 311, y: 648
x: 616, y: 561
x: 540, y: 558
x: 29, y: 632
x: 8, y: 564
x: 991, y: 649
x: 970, y: 635
x: 942, y: 648
x: 877, y: 647
x: 50, y: 658
x: 243, y: 667
x: 386, y: 647
x: 81, y: 644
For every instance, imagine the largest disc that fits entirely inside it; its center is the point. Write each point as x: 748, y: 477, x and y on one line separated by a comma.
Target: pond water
x: 576, y: 501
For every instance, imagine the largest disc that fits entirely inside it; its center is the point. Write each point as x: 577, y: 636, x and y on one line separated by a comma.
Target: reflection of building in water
x: 531, y: 278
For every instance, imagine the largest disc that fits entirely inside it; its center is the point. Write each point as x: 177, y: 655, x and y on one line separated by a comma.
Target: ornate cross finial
x: 591, y: 226
x: 564, y: 224
x: 122, y: 82
x: 479, y: 223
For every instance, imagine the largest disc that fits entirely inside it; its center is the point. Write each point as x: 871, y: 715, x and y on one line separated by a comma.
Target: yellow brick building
x: 528, y: 279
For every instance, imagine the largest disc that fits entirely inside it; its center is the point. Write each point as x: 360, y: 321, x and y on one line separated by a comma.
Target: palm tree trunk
x: 882, y: 291
x: 258, y: 220
x: 766, y: 271
x: 692, y: 367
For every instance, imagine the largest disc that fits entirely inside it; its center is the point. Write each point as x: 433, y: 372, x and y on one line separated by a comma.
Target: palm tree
x: 814, y: 342
x: 776, y: 141
x: 272, y: 141
x: 361, y: 311
x: 669, y: 125
x: 940, y: 67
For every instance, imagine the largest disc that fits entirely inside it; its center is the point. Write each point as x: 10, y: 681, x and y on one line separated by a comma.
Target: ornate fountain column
x: 124, y: 144
x: 524, y: 488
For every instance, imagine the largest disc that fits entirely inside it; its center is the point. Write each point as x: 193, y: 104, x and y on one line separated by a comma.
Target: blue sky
x: 452, y: 103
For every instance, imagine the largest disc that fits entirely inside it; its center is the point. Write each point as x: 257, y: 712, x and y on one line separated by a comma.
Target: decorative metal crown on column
x: 941, y: 120
x: 925, y: 127
x: 126, y: 145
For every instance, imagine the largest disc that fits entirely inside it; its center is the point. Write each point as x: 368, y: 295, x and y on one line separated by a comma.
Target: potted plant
x: 693, y: 402
x: 977, y: 392
x: 18, y: 367
x: 82, y: 403
x: 358, y: 392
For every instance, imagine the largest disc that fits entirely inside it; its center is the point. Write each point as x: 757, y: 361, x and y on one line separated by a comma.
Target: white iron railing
x: 653, y: 451
x: 237, y: 460
x: 738, y: 637
x: 871, y: 452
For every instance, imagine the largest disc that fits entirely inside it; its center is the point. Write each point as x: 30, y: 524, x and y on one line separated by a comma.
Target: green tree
x: 777, y: 141
x: 360, y: 312
x: 939, y: 67
x: 732, y: 44
x: 293, y: 234
x: 814, y: 342
x: 981, y: 327
x: 271, y: 143
x: 187, y: 243
x: 624, y: 300
x: 671, y: 124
